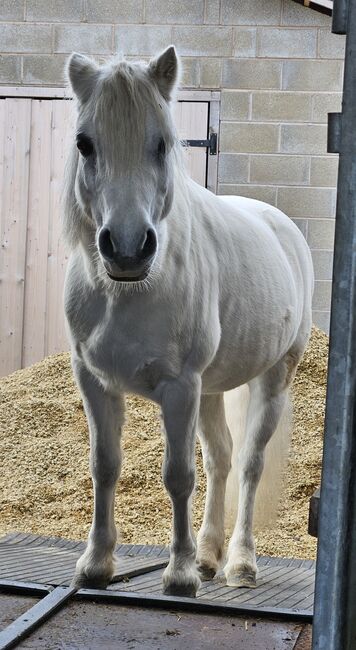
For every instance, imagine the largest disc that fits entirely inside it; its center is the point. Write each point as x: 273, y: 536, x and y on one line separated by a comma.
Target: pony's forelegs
x: 216, y: 445
x: 180, y: 405
x: 268, y: 395
x: 105, y: 414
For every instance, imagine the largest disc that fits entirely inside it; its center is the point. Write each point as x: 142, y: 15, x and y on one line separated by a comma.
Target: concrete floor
x: 88, y: 626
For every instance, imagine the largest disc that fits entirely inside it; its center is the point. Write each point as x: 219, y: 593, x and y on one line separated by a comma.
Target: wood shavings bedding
x: 45, y: 483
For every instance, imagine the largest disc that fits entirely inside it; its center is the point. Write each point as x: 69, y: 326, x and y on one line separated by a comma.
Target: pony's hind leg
x: 216, y: 445
x: 268, y: 398
x: 105, y: 414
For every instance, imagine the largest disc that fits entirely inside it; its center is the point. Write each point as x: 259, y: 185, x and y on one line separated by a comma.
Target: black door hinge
x: 210, y: 144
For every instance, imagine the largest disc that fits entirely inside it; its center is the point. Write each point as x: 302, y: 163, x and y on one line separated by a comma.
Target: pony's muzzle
x: 127, y: 267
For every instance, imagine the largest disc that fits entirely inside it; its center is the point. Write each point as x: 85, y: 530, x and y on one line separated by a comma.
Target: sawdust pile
x: 45, y: 486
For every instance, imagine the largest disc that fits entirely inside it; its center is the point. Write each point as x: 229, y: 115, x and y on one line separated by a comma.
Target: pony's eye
x: 85, y: 145
x: 161, y: 148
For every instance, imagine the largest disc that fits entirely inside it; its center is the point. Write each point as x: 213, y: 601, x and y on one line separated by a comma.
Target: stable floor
x: 274, y: 616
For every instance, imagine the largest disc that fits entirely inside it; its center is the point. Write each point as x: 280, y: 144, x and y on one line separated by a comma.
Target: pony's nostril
x: 149, y: 245
x: 105, y: 244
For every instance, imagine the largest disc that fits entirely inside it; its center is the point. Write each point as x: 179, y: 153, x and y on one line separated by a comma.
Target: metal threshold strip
x: 192, y: 604
x: 35, y: 616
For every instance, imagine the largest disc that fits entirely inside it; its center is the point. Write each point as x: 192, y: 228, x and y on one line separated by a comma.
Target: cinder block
x: 245, y: 12
x: 120, y: 11
x: 210, y: 73
x: 42, y: 69
x: 242, y: 137
x: 212, y: 12
x: 11, y: 10
x: 205, y: 40
x: 307, y: 202
x: 281, y: 106
x: 190, y: 72
x: 297, y: 15
x: 331, y: 46
x: 322, y: 295
x: 10, y: 69
x: 244, y: 42
x: 235, y: 105
x: 323, y: 264
x: 25, y: 38
x: 142, y: 39
x: 233, y: 168
x: 280, y: 170
x: 252, y: 73
x: 303, y: 138
x: 323, y: 171
x: 89, y: 39
x: 321, y: 234
x: 172, y: 12
x: 260, y: 192
x: 302, y: 224
x: 65, y: 11
x: 312, y: 75
x: 286, y: 43
x: 322, y: 320
x: 323, y: 104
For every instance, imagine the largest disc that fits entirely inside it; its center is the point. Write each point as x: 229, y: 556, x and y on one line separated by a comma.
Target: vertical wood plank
x: 2, y: 162
x: 191, y: 119
x: 13, y: 231
x: 37, y: 233
x: 62, y: 119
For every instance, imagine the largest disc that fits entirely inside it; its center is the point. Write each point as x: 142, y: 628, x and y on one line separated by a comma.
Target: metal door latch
x: 210, y: 144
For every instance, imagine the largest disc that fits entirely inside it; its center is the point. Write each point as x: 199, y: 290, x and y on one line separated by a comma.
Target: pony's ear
x: 164, y: 69
x: 82, y: 74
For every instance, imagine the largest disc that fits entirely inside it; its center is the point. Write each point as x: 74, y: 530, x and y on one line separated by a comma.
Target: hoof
x: 84, y: 581
x: 181, y: 582
x: 92, y: 573
x: 206, y: 572
x: 242, y: 578
x: 177, y: 589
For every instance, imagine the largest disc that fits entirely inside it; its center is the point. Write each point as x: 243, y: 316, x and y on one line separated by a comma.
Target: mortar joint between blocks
x: 84, y: 11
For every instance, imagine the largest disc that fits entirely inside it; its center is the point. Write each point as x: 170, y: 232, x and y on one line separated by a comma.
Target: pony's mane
x: 118, y: 105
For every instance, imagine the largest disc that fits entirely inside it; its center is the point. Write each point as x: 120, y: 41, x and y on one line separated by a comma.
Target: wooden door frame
x: 212, y: 97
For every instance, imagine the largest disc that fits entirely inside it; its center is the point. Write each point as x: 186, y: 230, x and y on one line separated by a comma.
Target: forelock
x: 124, y: 96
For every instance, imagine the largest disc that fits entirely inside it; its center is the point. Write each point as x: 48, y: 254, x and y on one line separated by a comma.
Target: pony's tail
x: 276, y: 456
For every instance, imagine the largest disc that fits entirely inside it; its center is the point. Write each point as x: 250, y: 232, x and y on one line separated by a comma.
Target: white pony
x: 178, y: 295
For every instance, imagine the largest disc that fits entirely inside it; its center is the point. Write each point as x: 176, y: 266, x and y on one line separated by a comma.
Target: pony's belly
x: 237, y: 364
x: 218, y: 380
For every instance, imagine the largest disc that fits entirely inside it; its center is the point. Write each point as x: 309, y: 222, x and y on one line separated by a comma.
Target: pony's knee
x: 105, y: 473
x: 178, y: 481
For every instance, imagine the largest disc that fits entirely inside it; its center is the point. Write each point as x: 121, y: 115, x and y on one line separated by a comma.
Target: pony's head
x: 123, y: 171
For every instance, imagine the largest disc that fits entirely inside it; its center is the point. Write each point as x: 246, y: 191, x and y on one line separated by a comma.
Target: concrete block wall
x: 277, y: 65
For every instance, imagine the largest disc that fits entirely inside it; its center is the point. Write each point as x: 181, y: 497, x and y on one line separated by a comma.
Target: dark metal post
x: 340, y: 10
x: 335, y: 599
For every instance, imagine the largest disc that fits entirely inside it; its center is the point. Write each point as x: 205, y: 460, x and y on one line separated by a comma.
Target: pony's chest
x: 128, y: 352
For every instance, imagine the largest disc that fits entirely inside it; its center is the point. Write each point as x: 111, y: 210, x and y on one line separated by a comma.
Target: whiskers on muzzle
x: 115, y: 287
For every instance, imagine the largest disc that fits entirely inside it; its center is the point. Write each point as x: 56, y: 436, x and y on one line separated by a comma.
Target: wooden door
x: 35, y: 136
